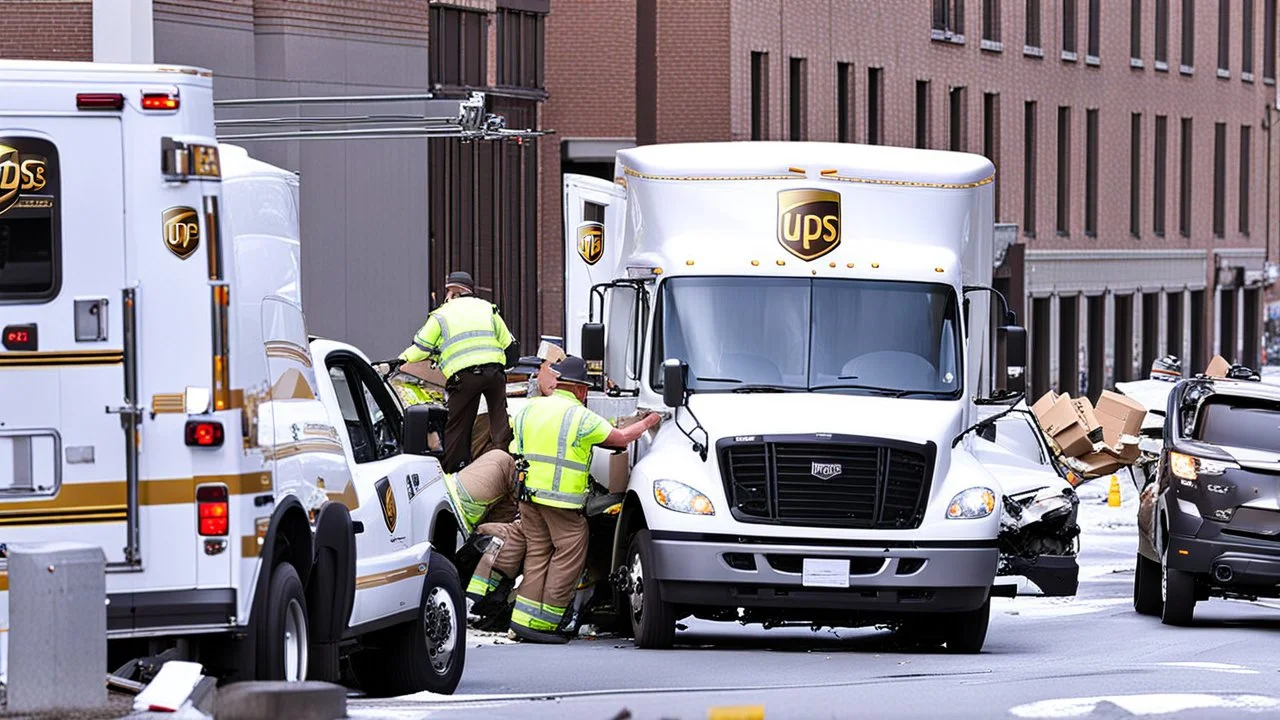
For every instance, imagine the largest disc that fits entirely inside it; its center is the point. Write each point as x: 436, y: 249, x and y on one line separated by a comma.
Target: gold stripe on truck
x: 4, y: 581
x: 386, y: 578
x: 162, y: 403
x: 96, y: 502
x: 59, y: 358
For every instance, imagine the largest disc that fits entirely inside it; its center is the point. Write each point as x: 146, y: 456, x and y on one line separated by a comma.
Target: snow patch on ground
x: 1096, y: 515
x: 1152, y: 704
x: 1041, y: 607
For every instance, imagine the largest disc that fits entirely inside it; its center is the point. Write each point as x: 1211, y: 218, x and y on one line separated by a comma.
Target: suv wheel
x: 1147, y: 598
x: 1178, y: 592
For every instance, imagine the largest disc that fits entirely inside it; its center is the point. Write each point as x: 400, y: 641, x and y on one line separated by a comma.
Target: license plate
x: 825, y: 573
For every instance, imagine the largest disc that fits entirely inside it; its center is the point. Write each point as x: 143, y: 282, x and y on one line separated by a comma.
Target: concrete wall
x: 364, y: 203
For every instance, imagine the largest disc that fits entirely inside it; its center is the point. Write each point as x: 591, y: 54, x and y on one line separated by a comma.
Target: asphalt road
x: 1088, y: 656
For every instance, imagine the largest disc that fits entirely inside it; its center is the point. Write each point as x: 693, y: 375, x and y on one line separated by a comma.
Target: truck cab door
x: 594, y: 213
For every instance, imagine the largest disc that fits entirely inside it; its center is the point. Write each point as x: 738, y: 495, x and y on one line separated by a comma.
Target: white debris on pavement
x: 1152, y: 704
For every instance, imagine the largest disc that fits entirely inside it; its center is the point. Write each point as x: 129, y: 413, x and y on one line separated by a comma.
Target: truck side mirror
x: 675, y: 381
x: 1014, y: 340
x: 593, y: 342
x: 421, y: 423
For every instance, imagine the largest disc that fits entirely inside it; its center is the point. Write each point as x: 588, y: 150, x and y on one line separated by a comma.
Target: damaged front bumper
x: 1038, y: 540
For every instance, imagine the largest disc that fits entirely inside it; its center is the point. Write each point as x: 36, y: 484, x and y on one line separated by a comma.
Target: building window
x: 1040, y: 335
x: 798, y: 99
x: 1246, y: 147
x: 1188, y: 58
x: 1123, y: 338
x: 948, y: 19
x: 1150, y: 328
x: 1224, y: 36
x: 1199, y: 358
x: 1227, y: 323
x: 1069, y: 344
x: 1095, y: 29
x: 1219, y: 179
x: 1069, y: 15
x: 1135, y: 174
x: 1161, y: 175
x: 1135, y: 30
x: 1269, y: 40
x: 1096, y: 341
x: 1252, y: 327
x: 1091, y: 173
x: 875, y: 106
x: 1033, y: 24
x: 1162, y: 34
x: 1064, y: 171
x: 922, y: 113
x: 459, y: 55
x: 991, y: 138
x: 844, y: 102
x: 1184, y: 181
x: 1246, y: 40
x: 520, y: 49
x: 1029, y: 168
x: 759, y: 96
x: 958, y: 106
x: 991, y: 21
x: 1173, y: 323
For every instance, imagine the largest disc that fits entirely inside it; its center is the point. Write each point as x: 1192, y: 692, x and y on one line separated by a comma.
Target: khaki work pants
x: 464, y: 390
x: 556, y: 550
x: 490, y: 480
x: 510, y: 556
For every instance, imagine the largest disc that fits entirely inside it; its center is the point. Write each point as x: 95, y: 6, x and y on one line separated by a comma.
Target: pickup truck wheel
x: 1178, y: 591
x: 1146, y: 587
x: 288, y: 645
x: 427, y: 653
x: 966, y: 632
x: 653, y: 620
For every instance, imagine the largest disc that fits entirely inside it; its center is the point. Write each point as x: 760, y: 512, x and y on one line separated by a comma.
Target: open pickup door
x: 594, y: 213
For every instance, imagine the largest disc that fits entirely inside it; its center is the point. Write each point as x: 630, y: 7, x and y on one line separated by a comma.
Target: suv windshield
x: 742, y: 334
x: 1242, y: 424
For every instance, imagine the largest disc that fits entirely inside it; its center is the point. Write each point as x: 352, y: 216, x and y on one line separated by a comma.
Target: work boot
x: 470, y: 552
x: 540, y: 637
x: 497, y: 599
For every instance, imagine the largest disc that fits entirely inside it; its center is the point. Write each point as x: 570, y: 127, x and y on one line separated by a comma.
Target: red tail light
x: 204, y: 433
x: 99, y: 101
x: 159, y: 101
x: 213, y: 509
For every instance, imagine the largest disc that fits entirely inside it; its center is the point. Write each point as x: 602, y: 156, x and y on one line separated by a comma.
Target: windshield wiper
x: 876, y: 389
x: 736, y: 381
x: 763, y: 388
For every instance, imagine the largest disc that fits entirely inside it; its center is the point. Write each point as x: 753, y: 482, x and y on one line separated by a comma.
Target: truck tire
x: 1178, y: 591
x: 287, y: 639
x: 427, y: 653
x: 653, y: 620
x: 1146, y: 587
x: 966, y: 632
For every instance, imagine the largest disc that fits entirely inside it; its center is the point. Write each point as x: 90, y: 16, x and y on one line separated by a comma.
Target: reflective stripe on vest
x: 467, y: 335
x: 558, y: 473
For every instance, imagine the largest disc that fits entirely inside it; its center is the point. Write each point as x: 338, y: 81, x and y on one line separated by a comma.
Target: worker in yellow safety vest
x: 554, y: 436
x: 472, y: 346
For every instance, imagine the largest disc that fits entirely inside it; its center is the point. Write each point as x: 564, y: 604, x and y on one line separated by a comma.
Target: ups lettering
x: 798, y: 226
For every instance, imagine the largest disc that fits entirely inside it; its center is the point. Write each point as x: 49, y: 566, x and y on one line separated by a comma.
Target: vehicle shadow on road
x: 800, y: 640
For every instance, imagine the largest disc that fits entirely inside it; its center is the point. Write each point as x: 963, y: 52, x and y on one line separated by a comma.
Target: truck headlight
x: 681, y: 498
x: 1188, y: 467
x: 976, y: 502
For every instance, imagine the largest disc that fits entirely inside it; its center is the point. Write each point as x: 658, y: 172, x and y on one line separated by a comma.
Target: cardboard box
x: 1044, y: 403
x: 1084, y: 410
x: 1218, y: 367
x: 619, y: 471
x: 1126, y: 453
x: 1095, y: 464
x: 1120, y: 416
x: 1070, y: 423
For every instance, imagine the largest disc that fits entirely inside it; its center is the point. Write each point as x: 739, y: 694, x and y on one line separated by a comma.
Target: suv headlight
x: 681, y: 498
x: 971, y: 504
x: 1189, y: 467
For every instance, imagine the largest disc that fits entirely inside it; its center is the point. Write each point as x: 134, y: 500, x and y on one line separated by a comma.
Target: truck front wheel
x: 966, y: 632
x: 425, y: 654
x: 653, y: 620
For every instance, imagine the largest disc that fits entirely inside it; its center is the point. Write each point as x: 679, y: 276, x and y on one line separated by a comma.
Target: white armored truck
x: 260, y: 504
x: 818, y: 323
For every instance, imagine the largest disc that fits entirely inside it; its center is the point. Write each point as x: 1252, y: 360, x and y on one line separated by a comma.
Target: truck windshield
x: 875, y: 337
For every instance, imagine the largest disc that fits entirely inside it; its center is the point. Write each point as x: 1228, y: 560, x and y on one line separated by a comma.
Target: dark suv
x: 1211, y: 516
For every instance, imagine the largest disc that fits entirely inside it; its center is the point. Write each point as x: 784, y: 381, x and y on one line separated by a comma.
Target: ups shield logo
x: 591, y: 242
x: 388, y: 500
x: 809, y: 222
x: 181, y: 231
x: 19, y: 173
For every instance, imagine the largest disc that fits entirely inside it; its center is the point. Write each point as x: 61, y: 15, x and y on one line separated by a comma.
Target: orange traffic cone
x: 1113, y: 495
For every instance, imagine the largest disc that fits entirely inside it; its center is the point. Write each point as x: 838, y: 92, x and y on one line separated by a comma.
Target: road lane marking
x: 1152, y: 704
x: 1214, y: 667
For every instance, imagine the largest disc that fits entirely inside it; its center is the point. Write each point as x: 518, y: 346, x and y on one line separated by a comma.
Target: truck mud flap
x: 1055, y: 575
x: 331, y: 589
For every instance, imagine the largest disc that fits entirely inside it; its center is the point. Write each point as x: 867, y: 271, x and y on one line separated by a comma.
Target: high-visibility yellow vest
x: 466, y: 332
x: 555, y: 435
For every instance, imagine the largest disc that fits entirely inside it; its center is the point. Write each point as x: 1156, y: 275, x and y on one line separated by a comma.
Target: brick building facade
x: 1131, y: 154
x: 383, y: 220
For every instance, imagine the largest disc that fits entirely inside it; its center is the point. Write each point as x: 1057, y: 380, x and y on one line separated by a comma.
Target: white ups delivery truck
x: 262, y: 509
x: 817, y: 320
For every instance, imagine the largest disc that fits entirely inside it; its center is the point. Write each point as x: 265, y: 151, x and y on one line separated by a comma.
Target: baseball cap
x: 571, y: 369
x: 460, y: 279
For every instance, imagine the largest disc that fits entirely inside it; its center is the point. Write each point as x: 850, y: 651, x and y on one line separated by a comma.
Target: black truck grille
x: 862, y: 484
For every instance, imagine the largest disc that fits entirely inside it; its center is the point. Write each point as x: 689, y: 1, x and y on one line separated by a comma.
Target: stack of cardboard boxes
x: 1091, y: 440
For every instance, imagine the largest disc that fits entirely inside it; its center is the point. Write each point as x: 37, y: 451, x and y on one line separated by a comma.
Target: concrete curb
x: 275, y: 700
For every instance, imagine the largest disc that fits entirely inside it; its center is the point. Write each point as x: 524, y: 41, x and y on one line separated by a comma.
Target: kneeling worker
x: 555, y: 434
